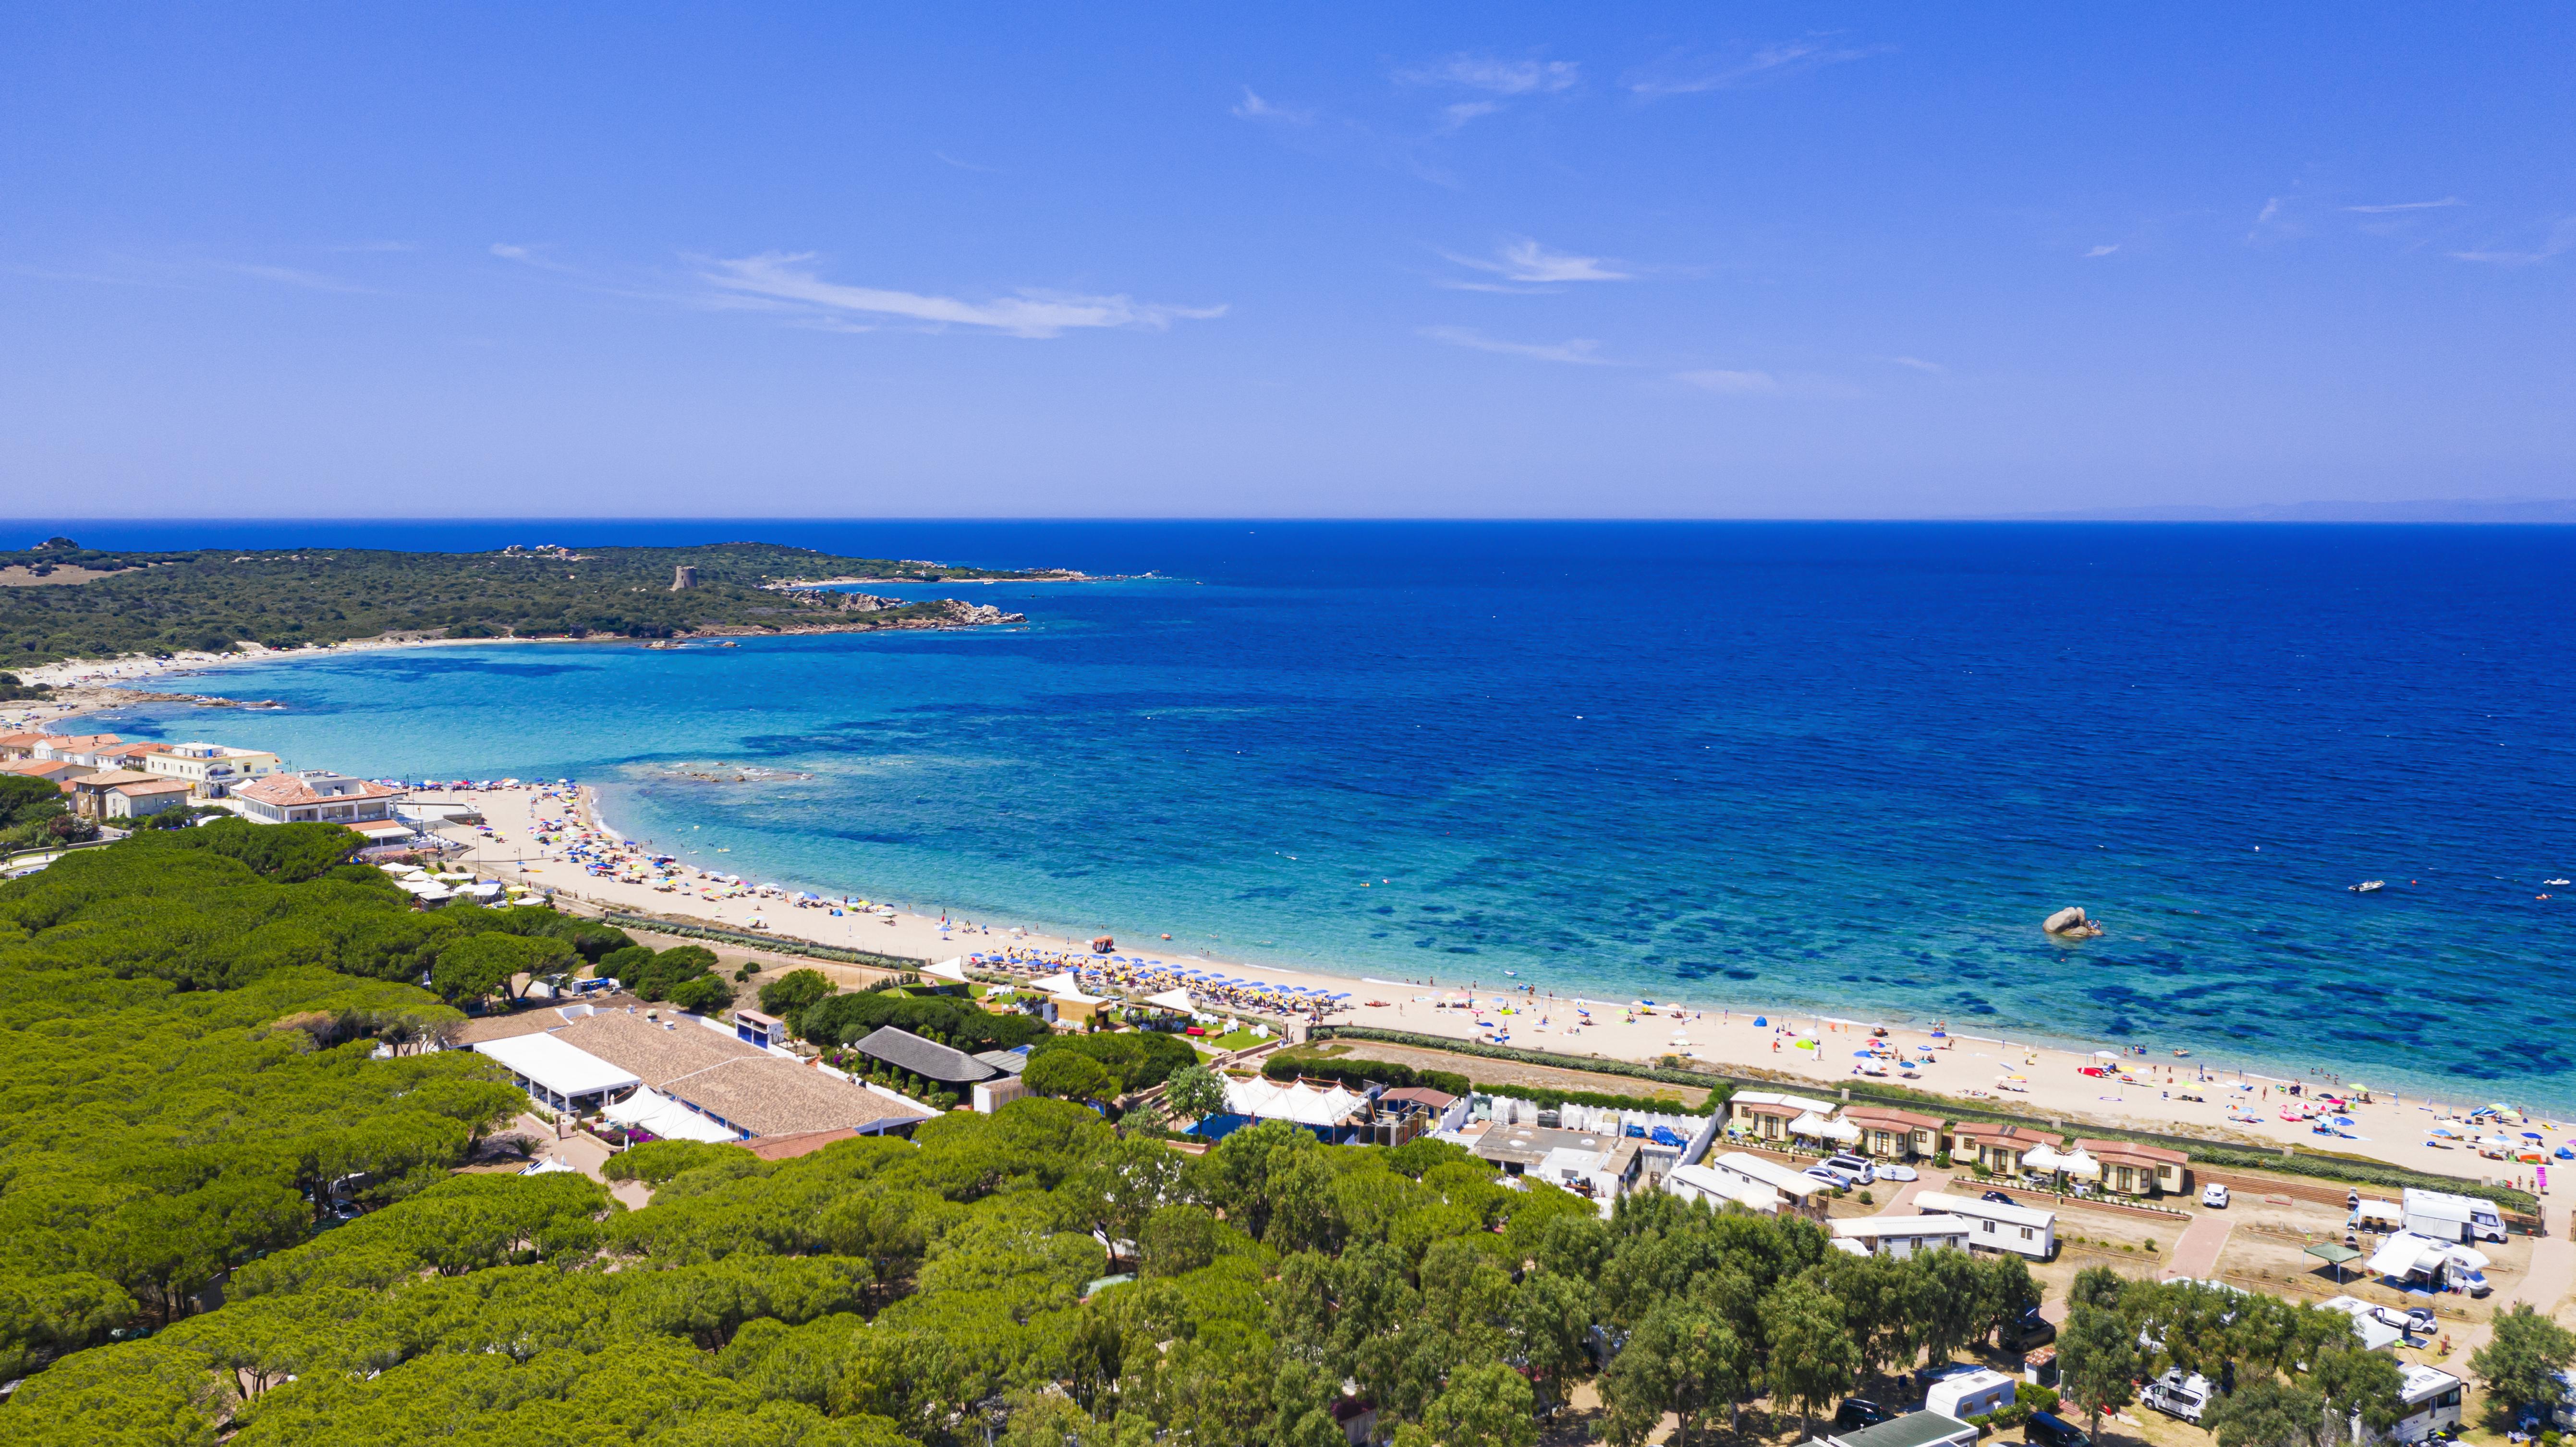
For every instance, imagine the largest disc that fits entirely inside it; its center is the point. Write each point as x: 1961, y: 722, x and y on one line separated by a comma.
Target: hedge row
x: 775, y: 944
x: 1717, y: 1087
x: 1383, y: 1072
x: 1289, y: 1064
x: 2344, y: 1170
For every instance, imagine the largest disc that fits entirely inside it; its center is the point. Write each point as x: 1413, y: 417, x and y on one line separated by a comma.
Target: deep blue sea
x: 1841, y: 766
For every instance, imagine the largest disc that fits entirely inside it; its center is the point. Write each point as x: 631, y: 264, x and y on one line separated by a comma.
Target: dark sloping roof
x: 1009, y: 1062
x: 1418, y: 1095
x: 925, y: 1058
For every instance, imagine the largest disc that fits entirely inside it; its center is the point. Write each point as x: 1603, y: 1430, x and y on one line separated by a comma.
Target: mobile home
x: 2022, y: 1230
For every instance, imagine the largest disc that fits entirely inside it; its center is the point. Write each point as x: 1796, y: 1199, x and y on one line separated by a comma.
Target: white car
x: 1897, y: 1173
x: 1860, y: 1171
x: 1829, y: 1176
x: 2214, y: 1196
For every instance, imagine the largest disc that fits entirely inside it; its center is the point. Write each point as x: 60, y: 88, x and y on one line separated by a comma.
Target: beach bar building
x: 313, y: 795
x: 942, y: 1065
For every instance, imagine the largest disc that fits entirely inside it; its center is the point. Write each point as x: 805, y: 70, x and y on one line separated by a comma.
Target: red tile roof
x: 2132, y: 1152
x: 287, y: 791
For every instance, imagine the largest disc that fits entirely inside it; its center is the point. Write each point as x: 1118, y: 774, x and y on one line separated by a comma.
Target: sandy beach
x: 2143, y: 1092
x: 1967, y: 1064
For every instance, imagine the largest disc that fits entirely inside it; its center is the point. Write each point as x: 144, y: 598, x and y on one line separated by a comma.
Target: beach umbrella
x: 1759, y: 1022
x: 2106, y: 1054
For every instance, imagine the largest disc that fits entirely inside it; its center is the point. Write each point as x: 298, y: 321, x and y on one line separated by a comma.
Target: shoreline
x: 2049, y: 1061
x: 1760, y: 1041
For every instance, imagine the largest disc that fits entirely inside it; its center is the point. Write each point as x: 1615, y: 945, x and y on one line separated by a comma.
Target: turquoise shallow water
x: 1840, y: 766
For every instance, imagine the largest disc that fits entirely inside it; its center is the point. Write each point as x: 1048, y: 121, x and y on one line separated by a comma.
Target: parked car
x: 1897, y: 1173
x: 2026, y: 1331
x: 1858, y: 1412
x: 1830, y: 1177
x: 2214, y: 1196
x: 1860, y: 1171
x: 2000, y: 1198
x: 2048, y: 1429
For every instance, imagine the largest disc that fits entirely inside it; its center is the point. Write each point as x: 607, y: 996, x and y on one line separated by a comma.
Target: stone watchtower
x: 683, y: 577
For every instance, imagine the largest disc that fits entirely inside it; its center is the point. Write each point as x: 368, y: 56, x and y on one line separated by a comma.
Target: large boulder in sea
x: 2070, y: 923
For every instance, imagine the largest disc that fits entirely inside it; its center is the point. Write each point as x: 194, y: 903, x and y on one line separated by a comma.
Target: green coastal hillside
x: 231, y: 1212
x: 60, y: 600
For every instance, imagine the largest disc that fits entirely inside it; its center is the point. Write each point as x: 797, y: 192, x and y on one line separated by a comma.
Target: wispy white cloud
x: 2274, y: 222
x: 1454, y: 118
x: 1733, y: 384
x: 289, y: 276
x: 1527, y: 262
x: 786, y: 281
x: 1770, y: 62
x: 2562, y: 238
x: 1502, y: 77
x: 376, y: 247
x: 531, y: 256
x: 946, y: 159
x: 1580, y: 352
x: 2407, y: 206
x: 1253, y: 108
x: 2104, y: 250
x: 1918, y: 364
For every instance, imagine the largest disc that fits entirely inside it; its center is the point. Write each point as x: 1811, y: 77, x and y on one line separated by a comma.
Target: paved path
x: 2544, y: 1286
x: 1902, y: 1203
x: 2195, y: 1252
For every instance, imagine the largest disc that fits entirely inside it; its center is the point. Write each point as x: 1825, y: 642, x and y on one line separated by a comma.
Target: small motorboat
x: 2369, y: 886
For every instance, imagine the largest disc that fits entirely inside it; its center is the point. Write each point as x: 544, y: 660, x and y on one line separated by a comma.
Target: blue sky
x: 1203, y: 261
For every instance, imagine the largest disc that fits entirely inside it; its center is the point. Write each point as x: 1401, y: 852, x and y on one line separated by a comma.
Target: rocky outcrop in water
x: 2070, y: 924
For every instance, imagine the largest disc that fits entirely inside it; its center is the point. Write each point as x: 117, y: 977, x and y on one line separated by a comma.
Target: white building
x: 560, y: 1075
x: 211, y: 770
x: 1704, y: 1183
x: 1903, y: 1236
x: 2022, y: 1230
x: 1797, y: 1191
x: 2446, y: 1217
x: 315, y: 795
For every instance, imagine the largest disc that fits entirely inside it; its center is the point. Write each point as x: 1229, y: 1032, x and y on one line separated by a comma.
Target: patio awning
x: 2333, y: 1253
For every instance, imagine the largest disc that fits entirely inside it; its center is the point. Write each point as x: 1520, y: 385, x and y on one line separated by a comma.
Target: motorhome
x: 2180, y: 1394
x: 2431, y: 1399
x: 2447, y: 1217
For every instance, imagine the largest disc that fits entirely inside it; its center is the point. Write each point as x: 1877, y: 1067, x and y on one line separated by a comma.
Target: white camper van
x: 2446, y: 1217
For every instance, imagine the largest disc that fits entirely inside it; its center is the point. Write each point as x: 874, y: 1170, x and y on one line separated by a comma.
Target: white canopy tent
x: 558, y: 1073
x: 2042, y: 1158
x: 2407, y: 1254
x: 1065, y: 987
x: 648, y: 1109
x: 1304, y: 1104
x: 2081, y: 1165
x: 1816, y: 1125
x: 949, y: 970
x: 1174, y: 1000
